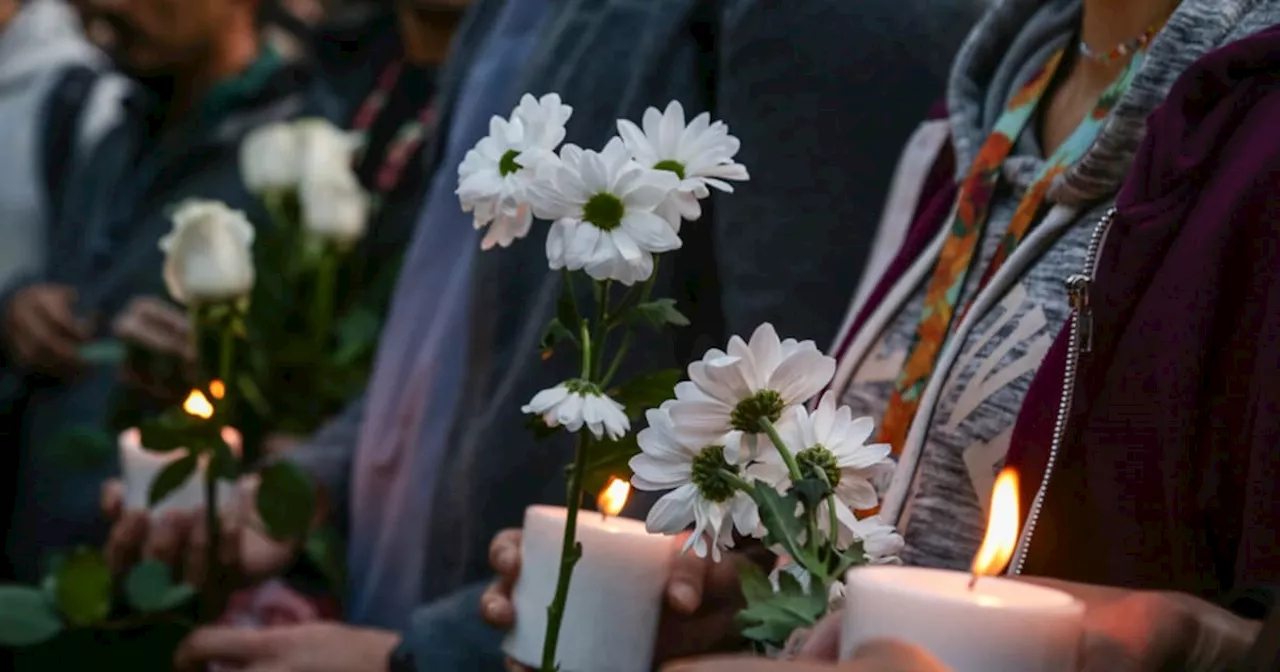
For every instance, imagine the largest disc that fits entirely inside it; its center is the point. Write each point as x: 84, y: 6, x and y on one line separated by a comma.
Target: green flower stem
x: 739, y: 483
x: 604, y: 295
x: 322, y: 302
x: 584, y: 333
x: 213, y: 593
x: 570, y: 553
x: 792, y: 468
x: 617, y: 360
x: 572, y: 292
x: 832, y: 503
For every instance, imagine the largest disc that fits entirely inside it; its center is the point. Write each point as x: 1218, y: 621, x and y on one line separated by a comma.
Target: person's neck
x: 426, y: 34
x: 228, y: 59
x: 1109, y: 23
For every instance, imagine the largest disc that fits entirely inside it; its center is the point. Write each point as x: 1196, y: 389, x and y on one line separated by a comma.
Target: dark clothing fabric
x: 1165, y: 476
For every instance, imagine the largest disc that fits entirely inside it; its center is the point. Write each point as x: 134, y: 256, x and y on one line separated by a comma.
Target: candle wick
x: 973, y: 581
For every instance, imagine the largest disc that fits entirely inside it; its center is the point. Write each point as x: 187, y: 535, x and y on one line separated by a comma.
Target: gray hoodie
x: 40, y: 43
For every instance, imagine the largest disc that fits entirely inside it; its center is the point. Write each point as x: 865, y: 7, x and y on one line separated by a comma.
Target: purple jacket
x: 1164, y: 474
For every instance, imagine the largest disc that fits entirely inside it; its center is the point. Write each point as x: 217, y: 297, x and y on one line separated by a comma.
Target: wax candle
x: 972, y: 622
x: 139, y: 469
x: 615, y: 597
x: 999, y: 624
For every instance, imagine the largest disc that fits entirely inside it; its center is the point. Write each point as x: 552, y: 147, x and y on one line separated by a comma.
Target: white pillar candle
x: 140, y: 467
x: 1000, y: 624
x: 615, y: 597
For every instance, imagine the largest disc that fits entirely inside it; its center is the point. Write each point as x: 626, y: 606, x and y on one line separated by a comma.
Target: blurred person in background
x: 200, y: 78
x: 50, y: 115
x: 436, y: 457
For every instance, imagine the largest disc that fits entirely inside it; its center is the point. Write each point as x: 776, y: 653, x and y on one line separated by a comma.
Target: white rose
x: 208, y: 255
x: 270, y: 158
x: 334, y: 206
x: 323, y: 148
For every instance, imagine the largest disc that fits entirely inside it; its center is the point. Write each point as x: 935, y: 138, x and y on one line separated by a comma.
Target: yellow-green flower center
x: 708, y: 476
x: 818, y: 459
x: 507, y: 164
x: 604, y: 211
x: 763, y: 405
x: 671, y: 166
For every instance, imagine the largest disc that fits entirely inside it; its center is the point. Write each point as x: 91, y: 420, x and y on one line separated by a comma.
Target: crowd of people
x: 1035, y: 233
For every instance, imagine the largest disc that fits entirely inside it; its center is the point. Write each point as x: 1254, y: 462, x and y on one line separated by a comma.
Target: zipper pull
x: 1078, y: 293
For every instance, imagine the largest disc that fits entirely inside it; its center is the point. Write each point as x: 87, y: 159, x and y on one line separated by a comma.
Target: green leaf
x: 783, y: 528
x: 356, y: 334
x: 172, y: 477
x: 555, y: 332
x: 647, y: 391
x: 608, y: 459
x: 26, y: 617
x: 286, y: 500
x: 108, y: 352
x: 811, y: 491
x: 252, y: 394
x: 82, y: 447
x: 852, y: 556
x: 175, y: 429
x: 771, y: 616
x: 658, y: 313
x: 224, y: 464
x: 83, y: 587
x: 150, y: 589
x: 755, y: 584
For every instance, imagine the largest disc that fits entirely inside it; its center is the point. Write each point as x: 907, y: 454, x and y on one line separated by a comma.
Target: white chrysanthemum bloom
x: 881, y: 543
x: 494, y: 177
x: 269, y: 158
x: 730, y: 392
x: 335, y: 208
x: 602, y: 204
x: 575, y: 403
x: 700, y: 154
x: 701, y: 493
x: 829, y: 440
x: 208, y: 254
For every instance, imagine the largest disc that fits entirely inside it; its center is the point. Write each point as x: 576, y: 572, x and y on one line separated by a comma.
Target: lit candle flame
x: 1002, y: 528
x: 217, y: 389
x: 613, y: 497
x: 198, y: 405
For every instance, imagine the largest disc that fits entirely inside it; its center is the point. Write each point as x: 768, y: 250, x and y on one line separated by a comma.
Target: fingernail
x: 684, y: 596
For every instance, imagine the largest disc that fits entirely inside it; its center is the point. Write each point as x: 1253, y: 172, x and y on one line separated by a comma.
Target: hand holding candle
x: 140, y: 467
x: 616, y: 596
x: 971, y: 624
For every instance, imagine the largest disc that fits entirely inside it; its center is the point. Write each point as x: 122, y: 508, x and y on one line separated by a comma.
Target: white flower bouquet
x: 736, y: 448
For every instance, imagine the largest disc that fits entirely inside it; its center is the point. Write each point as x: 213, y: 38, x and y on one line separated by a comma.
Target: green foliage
x: 82, y: 587
x: 26, y: 617
x: 286, y: 500
x: 771, y: 616
x: 149, y: 588
x: 658, y: 314
x: 647, y: 391
x: 82, y: 447
x: 172, y: 477
x: 784, y: 528
x: 175, y: 429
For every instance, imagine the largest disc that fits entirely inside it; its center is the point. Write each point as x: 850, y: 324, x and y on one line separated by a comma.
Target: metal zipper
x: 1079, y: 342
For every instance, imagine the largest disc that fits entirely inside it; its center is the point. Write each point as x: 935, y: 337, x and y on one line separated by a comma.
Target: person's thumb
x: 687, y: 581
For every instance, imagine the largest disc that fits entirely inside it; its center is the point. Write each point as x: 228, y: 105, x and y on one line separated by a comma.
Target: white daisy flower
x: 700, y: 154
x: 881, y: 543
x: 701, y: 494
x: 575, y: 403
x: 602, y: 204
x: 831, y: 441
x: 728, y: 394
x: 494, y: 177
